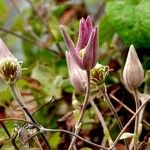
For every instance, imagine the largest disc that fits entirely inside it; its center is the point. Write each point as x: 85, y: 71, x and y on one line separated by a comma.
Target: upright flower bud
x: 77, y: 76
x: 86, y: 51
x: 10, y: 68
x: 133, y: 73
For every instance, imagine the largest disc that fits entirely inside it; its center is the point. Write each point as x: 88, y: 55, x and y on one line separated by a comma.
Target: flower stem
x: 17, y: 96
x: 79, y: 122
x: 101, y: 119
x: 114, y: 113
x: 136, y: 128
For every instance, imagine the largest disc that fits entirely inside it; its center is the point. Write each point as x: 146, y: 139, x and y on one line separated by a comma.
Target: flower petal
x: 71, y: 46
x: 85, y: 29
x: 67, y: 39
x: 77, y: 76
x: 91, y: 52
x: 4, y: 51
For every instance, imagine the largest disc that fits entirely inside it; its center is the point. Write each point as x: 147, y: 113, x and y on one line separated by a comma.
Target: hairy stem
x: 100, y: 117
x: 106, y: 97
x: 136, y: 128
x: 79, y: 122
x: 17, y: 96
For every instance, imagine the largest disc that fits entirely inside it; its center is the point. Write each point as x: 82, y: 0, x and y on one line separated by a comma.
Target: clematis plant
x: 86, y: 51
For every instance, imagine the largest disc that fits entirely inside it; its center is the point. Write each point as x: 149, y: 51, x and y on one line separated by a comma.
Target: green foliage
x: 131, y: 20
x: 3, y: 12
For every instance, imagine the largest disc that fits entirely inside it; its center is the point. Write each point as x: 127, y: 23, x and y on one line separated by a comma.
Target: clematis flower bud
x: 10, y: 68
x: 76, y: 74
x: 133, y: 74
x: 85, y: 53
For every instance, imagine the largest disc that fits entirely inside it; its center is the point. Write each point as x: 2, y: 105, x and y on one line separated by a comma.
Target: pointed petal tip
x: 132, y: 47
x: 88, y: 18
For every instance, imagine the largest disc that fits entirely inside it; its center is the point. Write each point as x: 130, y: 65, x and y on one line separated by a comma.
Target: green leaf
x: 42, y: 73
x: 131, y: 20
x: 106, y: 31
x: 126, y: 135
x: 54, y: 140
x: 3, y: 86
x: 3, y: 11
x: 76, y: 114
x: 147, y: 82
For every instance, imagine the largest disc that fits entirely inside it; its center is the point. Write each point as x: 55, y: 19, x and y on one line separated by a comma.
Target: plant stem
x: 128, y: 109
x: 129, y: 122
x: 9, y: 135
x: 79, y: 122
x: 105, y: 129
x: 17, y: 96
x: 42, y: 129
x: 136, y: 128
x: 114, y: 113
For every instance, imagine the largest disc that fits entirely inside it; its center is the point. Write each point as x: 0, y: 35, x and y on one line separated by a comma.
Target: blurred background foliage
x: 30, y: 28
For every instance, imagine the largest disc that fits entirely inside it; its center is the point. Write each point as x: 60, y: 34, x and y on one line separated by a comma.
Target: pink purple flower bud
x: 133, y: 73
x: 86, y: 51
x: 76, y: 74
x: 10, y: 68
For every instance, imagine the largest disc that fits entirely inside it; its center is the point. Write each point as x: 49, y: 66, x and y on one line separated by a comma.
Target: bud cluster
x: 98, y: 75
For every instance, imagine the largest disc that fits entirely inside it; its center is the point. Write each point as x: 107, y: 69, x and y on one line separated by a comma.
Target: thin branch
x: 126, y: 107
x: 18, y: 35
x: 17, y: 96
x: 75, y: 135
x: 130, y: 121
x: 9, y: 135
x: 105, y: 129
x: 106, y: 97
x: 42, y: 129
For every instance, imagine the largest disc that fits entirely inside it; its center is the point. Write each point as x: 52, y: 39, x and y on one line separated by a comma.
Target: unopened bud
x: 10, y: 67
x: 133, y: 73
x: 98, y: 74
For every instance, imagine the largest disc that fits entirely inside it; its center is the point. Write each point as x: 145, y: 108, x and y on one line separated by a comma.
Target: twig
x: 114, y: 113
x: 79, y: 122
x: 46, y: 104
x: 105, y: 129
x: 17, y: 35
x: 126, y: 107
x: 9, y: 135
x: 42, y: 129
x: 18, y: 98
x: 129, y: 122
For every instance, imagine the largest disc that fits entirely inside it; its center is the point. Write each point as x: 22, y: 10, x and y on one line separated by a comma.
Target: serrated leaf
x: 127, y: 135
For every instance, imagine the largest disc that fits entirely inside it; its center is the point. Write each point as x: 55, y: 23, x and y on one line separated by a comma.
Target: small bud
x: 98, y: 75
x: 133, y: 73
x: 10, y: 67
